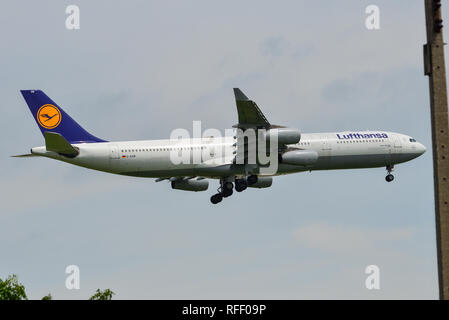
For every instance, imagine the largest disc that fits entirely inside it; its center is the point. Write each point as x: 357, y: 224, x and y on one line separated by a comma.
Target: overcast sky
x: 137, y: 70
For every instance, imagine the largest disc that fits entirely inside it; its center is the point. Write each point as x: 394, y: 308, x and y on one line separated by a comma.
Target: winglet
x: 239, y: 95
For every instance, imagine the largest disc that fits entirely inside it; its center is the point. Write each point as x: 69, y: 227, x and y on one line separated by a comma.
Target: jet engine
x: 262, y: 182
x: 299, y: 157
x: 285, y: 135
x: 190, y: 185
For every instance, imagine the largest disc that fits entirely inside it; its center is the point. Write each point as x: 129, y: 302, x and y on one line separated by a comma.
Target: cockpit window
x: 412, y: 140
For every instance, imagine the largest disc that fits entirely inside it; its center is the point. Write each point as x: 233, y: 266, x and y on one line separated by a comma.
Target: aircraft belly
x: 357, y: 161
x: 203, y: 170
x: 96, y: 158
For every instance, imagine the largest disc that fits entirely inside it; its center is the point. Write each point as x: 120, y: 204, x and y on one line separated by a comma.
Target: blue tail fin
x: 50, y: 117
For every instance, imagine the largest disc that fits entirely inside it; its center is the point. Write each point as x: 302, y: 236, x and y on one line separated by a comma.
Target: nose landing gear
x: 389, y: 176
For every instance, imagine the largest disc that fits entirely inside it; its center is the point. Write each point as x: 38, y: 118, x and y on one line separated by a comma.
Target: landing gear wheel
x: 216, y: 198
x: 389, y: 176
x: 241, y: 185
x: 227, y: 193
x: 252, y: 180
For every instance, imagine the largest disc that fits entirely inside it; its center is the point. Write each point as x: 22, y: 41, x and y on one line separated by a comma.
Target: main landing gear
x: 389, y: 176
x: 216, y: 198
x: 240, y: 185
x: 226, y: 188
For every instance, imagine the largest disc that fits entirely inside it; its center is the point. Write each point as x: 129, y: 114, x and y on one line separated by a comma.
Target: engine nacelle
x: 299, y: 157
x: 262, y: 182
x: 285, y: 135
x: 190, y: 185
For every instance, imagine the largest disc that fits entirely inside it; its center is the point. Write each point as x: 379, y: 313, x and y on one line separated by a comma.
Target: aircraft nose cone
x: 421, y: 148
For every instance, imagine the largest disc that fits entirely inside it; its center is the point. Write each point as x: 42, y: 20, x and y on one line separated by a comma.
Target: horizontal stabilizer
x: 55, y: 142
x: 29, y: 155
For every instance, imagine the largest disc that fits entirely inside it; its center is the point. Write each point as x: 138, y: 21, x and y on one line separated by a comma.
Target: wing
x: 250, y: 117
x: 187, y: 183
x: 249, y: 113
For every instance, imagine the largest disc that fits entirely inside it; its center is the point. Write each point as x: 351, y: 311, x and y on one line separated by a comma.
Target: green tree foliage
x: 11, y: 289
x: 47, y: 297
x: 102, y: 295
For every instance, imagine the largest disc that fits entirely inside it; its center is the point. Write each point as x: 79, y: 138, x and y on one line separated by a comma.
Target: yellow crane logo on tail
x: 49, y: 116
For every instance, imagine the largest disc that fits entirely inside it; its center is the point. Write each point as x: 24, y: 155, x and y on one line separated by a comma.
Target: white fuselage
x: 154, y: 158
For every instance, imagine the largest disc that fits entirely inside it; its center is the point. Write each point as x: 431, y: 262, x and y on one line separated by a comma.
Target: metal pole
x: 434, y: 67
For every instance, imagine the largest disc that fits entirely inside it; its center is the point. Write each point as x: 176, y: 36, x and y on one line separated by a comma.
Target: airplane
x: 67, y: 141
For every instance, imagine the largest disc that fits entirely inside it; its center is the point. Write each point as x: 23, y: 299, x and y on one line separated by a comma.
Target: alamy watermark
x: 73, y: 279
x: 372, y: 282
x: 372, y: 21
x: 249, y: 146
x: 72, y: 21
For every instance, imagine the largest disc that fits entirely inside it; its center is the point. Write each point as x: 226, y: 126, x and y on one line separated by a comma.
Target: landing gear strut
x: 389, y: 176
x: 226, y: 187
x: 225, y: 190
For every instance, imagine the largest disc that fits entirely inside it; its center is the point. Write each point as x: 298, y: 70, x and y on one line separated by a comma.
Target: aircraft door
x: 397, y: 146
x: 393, y: 152
x: 396, y: 152
x: 114, y: 153
x: 326, y: 150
